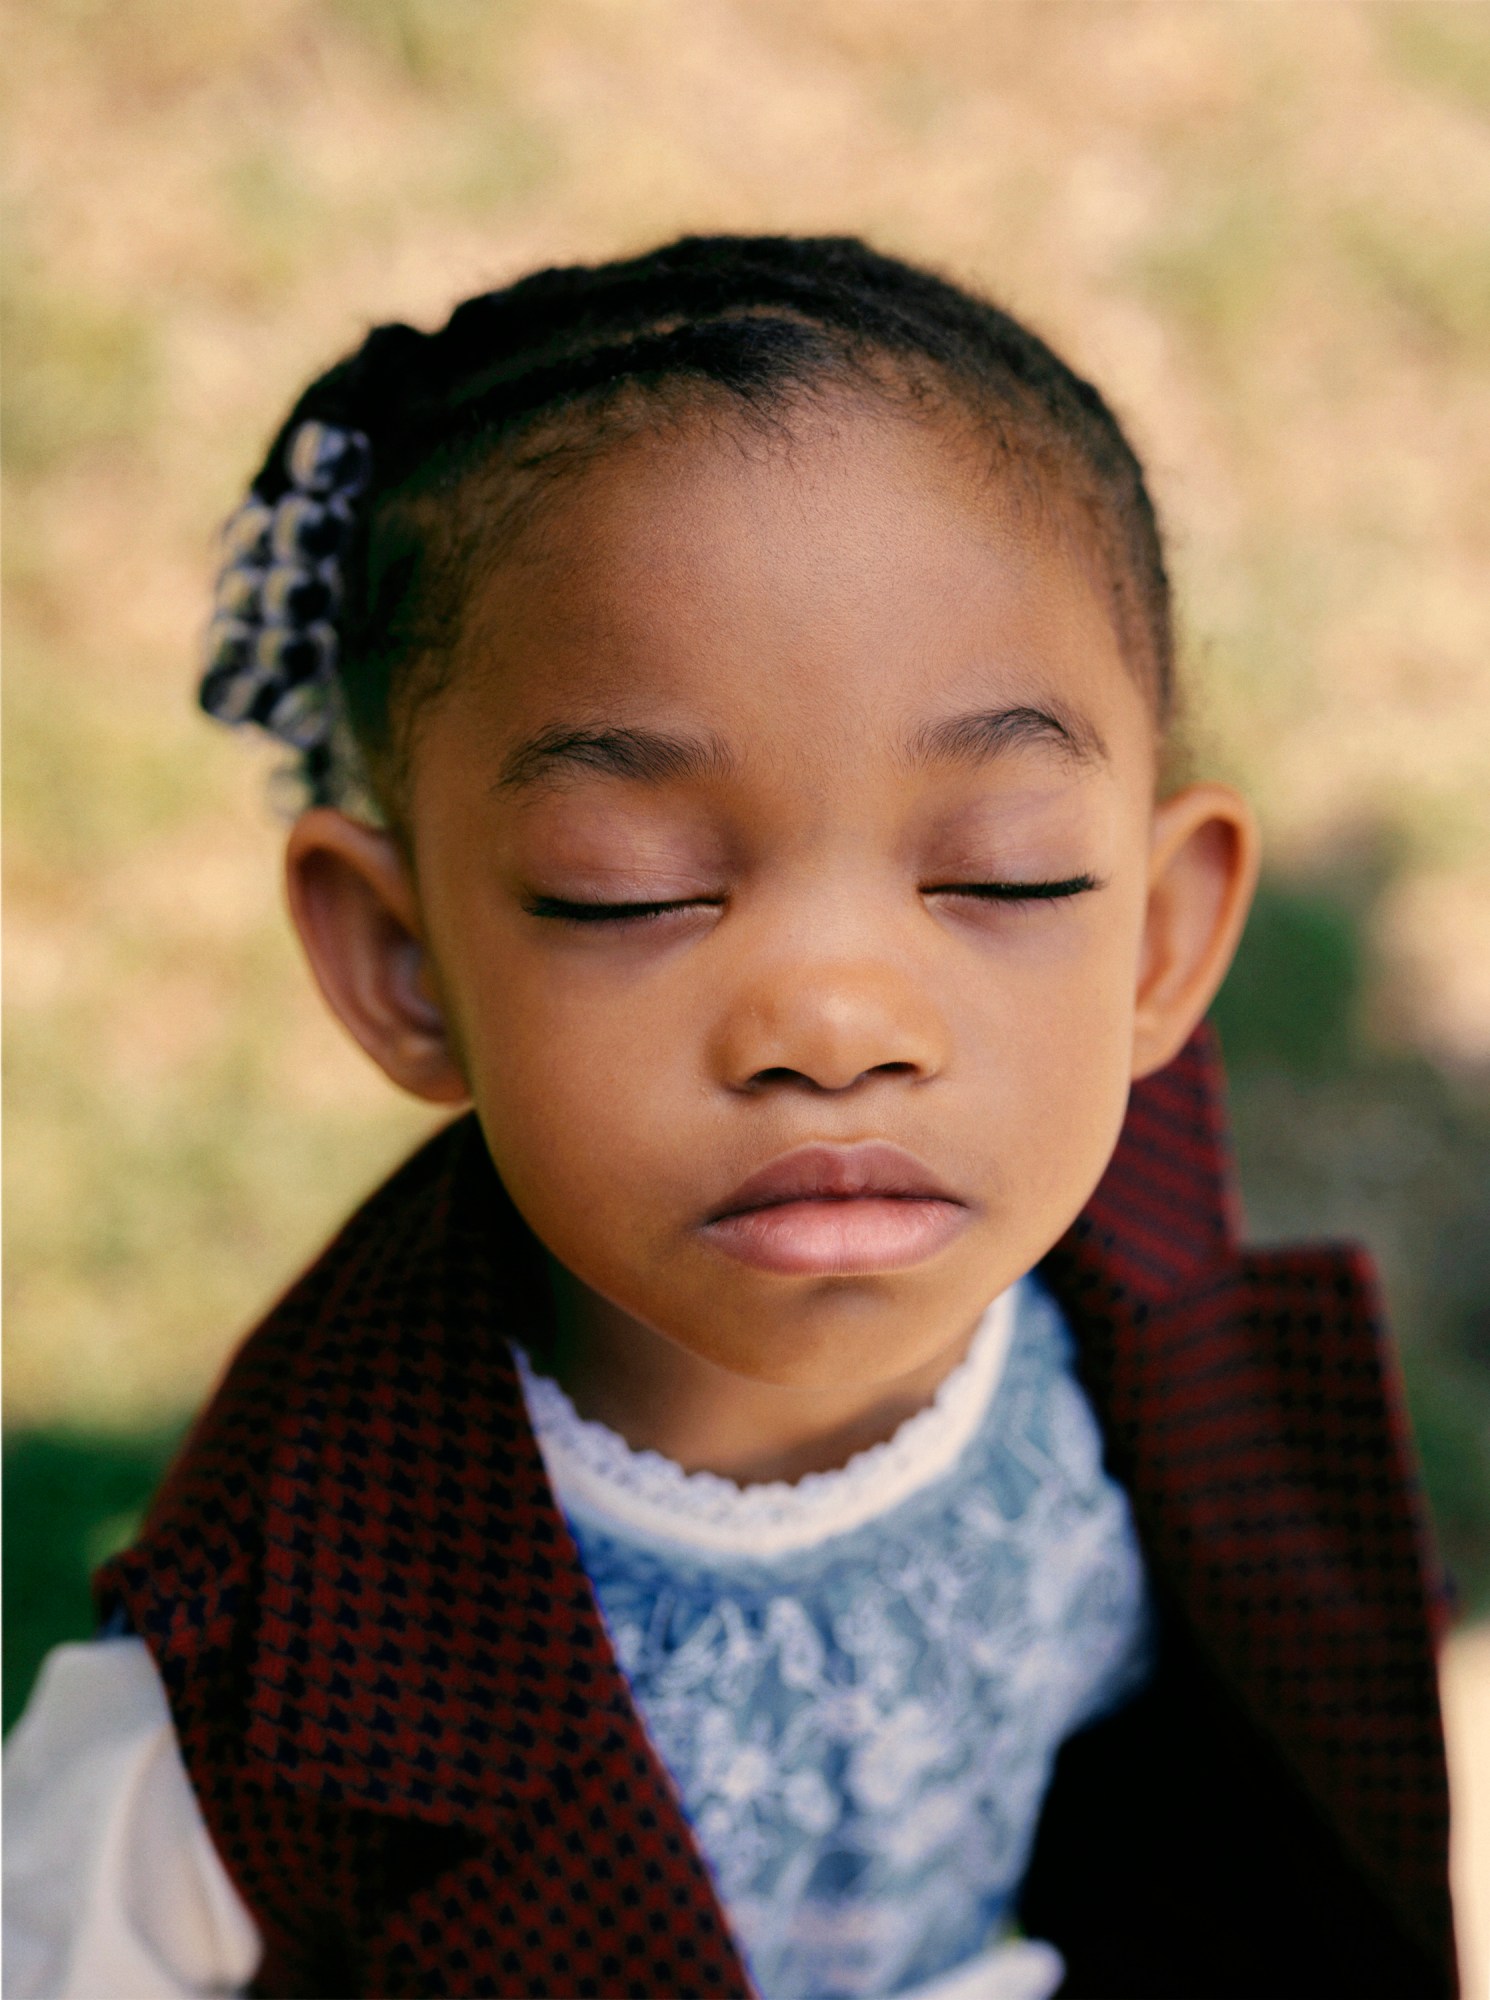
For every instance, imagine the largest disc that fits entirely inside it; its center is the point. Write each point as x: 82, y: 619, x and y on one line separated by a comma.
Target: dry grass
x: 1263, y: 228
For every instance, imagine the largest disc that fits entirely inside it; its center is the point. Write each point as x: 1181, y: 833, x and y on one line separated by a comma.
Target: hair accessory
x: 272, y: 643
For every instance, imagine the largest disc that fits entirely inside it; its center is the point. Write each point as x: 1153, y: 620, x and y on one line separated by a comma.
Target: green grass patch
x: 72, y: 1498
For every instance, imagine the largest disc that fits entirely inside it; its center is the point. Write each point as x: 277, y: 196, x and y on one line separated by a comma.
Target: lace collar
x: 594, y: 1471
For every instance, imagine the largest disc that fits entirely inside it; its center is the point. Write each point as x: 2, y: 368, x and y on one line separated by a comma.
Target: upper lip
x: 836, y: 1173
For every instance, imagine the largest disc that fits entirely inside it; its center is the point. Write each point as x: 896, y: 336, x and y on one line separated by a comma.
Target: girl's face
x: 792, y: 897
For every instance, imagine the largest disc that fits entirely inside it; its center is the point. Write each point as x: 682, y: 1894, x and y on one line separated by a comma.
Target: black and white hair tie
x: 272, y: 643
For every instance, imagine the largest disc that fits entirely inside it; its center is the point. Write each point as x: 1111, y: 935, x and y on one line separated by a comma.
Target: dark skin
x: 781, y: 793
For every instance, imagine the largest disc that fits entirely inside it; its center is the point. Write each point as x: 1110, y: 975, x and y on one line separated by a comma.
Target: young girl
x: 798, y: 1490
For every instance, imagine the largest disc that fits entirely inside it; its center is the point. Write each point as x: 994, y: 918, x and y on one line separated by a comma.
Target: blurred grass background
x: 1265, y: 230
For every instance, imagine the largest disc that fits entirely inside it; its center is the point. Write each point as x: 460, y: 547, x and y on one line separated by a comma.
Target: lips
x: 837, y: 1211
x: 837, y: 1173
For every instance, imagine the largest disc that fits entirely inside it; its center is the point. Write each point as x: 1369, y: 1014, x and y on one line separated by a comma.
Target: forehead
x: 802, y: 592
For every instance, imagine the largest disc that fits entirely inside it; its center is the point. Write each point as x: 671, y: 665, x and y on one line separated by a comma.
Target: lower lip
x: 838, y: 1238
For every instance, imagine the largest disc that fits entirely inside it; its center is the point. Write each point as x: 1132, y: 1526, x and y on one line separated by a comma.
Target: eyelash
x: 557, y: 908
x: 1016, y: 892
x: 609, y: 913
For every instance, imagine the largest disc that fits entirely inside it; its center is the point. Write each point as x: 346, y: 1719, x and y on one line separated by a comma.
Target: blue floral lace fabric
x: 860, y: 1694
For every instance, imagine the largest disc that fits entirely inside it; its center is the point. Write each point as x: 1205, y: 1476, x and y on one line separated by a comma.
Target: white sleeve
x: 112, y: 1884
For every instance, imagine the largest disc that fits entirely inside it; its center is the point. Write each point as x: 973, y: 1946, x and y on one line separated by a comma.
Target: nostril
x: 764, y: 1078
x: 780, y: 1075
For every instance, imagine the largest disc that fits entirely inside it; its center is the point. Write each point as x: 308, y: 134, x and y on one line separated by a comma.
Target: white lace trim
x: 595, y: 1472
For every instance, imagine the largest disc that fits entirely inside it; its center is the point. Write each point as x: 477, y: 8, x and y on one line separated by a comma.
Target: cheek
x: 1047, y: 1041
x: 574, y: 1084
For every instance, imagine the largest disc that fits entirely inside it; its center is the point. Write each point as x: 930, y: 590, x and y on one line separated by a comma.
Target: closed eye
x: 565, y: 911
x: 1016, y: 892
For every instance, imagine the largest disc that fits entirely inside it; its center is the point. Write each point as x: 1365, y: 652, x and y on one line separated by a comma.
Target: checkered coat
x: 421, y: 1764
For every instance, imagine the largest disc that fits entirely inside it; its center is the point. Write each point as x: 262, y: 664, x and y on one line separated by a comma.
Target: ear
x: 354, y: 904
x: 1203, y: 865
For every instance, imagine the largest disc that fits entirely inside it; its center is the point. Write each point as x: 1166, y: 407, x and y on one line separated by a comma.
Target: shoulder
x: 111, y: 1880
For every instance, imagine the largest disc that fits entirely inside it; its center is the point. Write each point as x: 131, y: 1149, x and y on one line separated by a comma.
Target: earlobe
x: 354, y: 905
x: 1202, y: 873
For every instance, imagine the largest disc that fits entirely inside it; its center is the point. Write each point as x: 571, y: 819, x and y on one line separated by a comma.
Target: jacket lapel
x: 1252, y: 1409
x: 429, y: 1640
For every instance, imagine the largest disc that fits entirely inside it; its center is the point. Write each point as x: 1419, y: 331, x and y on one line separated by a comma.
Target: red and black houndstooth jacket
x: 421, y: 1763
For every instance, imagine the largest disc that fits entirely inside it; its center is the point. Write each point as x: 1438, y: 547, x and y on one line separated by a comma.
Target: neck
x: 661, y: 1397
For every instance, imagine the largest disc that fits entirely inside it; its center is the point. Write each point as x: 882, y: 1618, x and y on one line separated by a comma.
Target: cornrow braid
x: 532, y: 375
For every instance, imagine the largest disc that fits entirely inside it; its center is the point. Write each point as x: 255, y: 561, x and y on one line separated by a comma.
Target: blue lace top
x: 859, y: 1682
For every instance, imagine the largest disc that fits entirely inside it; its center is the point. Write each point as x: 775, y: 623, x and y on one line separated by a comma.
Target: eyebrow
x: 647, y: 756
x: 986, y: 733
x: 643, y: 755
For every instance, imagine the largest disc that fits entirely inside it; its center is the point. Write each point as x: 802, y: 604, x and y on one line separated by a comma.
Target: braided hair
x: 342, y: 588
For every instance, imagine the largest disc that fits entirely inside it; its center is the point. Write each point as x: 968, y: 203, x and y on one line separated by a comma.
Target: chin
x: 849, y: 1332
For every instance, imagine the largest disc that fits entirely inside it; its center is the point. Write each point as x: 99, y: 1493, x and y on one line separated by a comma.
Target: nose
x: 830, y: 1027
